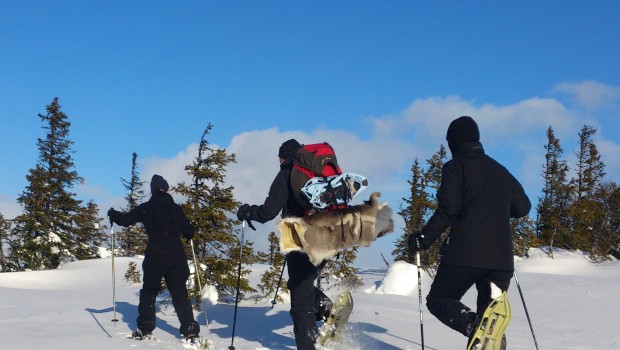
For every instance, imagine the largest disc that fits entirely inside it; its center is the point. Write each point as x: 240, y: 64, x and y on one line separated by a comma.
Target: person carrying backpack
x: 302, y: 273
x: 165, y: 223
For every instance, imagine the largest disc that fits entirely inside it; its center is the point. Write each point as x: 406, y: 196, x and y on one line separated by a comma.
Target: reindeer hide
x: 323, y: 234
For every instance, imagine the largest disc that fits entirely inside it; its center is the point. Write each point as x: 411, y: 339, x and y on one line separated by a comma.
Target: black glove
x: 417, y: 242
x: 112, y: 214
x: 244, y: 213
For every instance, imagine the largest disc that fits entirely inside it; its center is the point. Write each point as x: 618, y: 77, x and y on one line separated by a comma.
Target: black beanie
x: 158, y: 184
x: 461, y: 130
x: 287, y: 148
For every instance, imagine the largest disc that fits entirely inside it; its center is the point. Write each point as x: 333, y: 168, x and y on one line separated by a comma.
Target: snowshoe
x: 337, y: 320
x: 323, y: 192
x: 489, y: 334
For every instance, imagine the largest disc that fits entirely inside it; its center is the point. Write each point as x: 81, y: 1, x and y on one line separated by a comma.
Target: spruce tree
x: 587, y: 211
x: 523, y: 232
x: 590, y: 169
x: 609, y: 193
x: 52, y: 228
x: 413, y: 213
x: 553, y: 207
x: 4, y: 241
x: 270, y: 278
x: 340, y: 272
x: 209, y: 207
x: 132, y: 240
x: 432, y: 181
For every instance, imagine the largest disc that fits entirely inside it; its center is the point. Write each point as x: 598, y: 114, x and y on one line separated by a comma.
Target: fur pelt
x: 323, y: 234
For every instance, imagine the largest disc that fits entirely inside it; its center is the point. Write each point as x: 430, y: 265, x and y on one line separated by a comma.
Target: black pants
x: 449, y: 286
x: 175, y: 271
x: 301, y: 286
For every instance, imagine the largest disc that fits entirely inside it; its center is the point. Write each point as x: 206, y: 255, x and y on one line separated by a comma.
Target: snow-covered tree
x: 54, y: 227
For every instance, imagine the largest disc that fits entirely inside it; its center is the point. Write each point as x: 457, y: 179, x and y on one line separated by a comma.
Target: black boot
x: 473, y: 321
x: 140, y: 335
x: 322, y: 305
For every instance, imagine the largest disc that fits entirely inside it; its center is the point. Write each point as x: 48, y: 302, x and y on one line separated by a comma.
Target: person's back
x: 476, y: 199
x: 165, y: 222
x: 301, y: 271
x: 480, y: 235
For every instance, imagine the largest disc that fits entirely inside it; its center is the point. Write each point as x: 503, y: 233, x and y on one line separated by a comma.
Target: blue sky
x: 380, y: 81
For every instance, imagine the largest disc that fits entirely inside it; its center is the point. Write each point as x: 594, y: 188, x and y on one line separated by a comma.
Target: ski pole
x: 197, y: 273
x: 232, y: 347
x: 273, y: 302
x: 417, y: 257
x: 525, y: 308
x: 113, y: 275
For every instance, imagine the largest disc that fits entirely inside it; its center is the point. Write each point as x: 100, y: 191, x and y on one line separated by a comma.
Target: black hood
x: 460, y: 131
x: 288, y: 148
x: 158, y: 184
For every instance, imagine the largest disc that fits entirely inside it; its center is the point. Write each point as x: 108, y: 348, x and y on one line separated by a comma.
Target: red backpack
x: 310, y: 161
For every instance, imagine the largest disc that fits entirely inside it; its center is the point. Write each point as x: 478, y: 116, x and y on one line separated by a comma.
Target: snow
x: 572, y: 302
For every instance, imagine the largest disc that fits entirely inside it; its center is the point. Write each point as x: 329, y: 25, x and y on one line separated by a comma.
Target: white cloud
x: 591, y: 94
x: 610, y: 155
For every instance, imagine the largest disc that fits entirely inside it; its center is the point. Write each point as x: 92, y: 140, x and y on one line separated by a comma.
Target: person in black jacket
x: 165, y: 223
x: 476, y: 199
x: 308, y: 303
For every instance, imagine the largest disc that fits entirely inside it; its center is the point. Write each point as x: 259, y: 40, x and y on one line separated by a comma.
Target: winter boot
x: 139, y: 335
x: 473, y: 321
x: 191, y: 338
x: 322, y: 305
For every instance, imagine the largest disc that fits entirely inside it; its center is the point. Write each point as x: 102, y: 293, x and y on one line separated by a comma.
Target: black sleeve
x: 275, y: 201
x: 187, y: 229
x: 520, y: 204
x: 449, y: 203
x: 131, y: 217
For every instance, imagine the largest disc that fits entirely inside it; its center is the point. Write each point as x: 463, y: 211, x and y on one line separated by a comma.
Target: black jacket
x: 280, y: 198
x: 164, y: 222
x: 476, y: 199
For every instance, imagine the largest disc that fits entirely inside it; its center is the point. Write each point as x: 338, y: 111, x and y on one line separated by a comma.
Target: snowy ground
x: 573, y: 305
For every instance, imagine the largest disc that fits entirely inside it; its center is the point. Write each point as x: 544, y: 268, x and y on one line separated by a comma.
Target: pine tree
x: 340, y: 272
x: 89, y: 236
x: 270, y: 278
x: 587, y: 211
x: 590, y: 168
x: 608, y: 236
x: 4, y: 239
x: 524, y: 237
x: 208, y: 203
x: 553, y: 218
x: 133, y: 273
x: 51, y: 229
x: 132, y: 240
x: 432, y: 181
x: 413, y: 213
